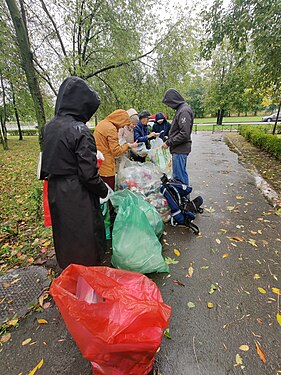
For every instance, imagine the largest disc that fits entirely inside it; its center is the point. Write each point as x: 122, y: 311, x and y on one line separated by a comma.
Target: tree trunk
x: 277, y: 117
x: 27, y: 63
x: 220, y: 116
x: 16, y: 111
x: 4, y: 116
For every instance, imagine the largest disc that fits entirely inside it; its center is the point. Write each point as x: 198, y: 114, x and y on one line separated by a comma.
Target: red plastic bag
x: 46, y: 208
x: 120, y: 328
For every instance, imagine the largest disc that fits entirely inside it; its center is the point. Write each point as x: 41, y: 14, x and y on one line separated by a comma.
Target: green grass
x: 213, y: 120
x: 22, y: 234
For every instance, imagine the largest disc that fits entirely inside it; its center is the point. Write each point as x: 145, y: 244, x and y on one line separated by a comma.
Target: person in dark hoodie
x: 161, y: 126
x: 179, y: 140
x: 69, y: 163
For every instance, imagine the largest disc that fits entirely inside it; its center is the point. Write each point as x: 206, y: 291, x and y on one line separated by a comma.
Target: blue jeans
x: 179, y: 168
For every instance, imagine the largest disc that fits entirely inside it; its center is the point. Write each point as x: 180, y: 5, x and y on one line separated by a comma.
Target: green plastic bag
x: 135, y: 246
x: 106, y: 217
x: 150, y: 211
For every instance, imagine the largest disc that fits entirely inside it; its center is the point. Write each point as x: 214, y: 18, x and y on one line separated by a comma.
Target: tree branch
x: 55, y: 27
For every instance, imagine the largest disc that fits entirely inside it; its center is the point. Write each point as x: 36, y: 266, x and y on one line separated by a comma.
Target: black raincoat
x: 70, y: 164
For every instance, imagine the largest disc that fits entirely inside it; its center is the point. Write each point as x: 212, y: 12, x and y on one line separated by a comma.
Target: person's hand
x: 133, y: 145
x: 164, y: 145
x: 152, y: 134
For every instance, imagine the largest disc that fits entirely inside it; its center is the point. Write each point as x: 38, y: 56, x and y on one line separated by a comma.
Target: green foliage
x: 252, y: 27
x: 259, y: 137
x: 25, y: 132
x: 22, y: 234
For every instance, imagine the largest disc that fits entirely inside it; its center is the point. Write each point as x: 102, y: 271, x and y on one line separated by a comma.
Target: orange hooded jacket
x: 106, y: 136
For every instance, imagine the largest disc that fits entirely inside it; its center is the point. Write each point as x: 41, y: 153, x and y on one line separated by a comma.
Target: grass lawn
x: 23, y: 238
x: 213, y: 120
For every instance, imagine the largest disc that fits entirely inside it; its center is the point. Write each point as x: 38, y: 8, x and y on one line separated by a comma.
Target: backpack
x: 183, y: 210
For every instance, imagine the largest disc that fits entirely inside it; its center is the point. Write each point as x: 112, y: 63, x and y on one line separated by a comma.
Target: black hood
x: 77, y: 98
x: 173, y: 98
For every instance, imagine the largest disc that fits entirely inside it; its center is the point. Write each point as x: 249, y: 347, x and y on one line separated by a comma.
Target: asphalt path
x: 232, y: 266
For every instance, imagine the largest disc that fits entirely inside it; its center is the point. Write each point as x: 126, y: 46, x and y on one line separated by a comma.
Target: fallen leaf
x: 225, y: 255
x: 218, y: 241
x: 25, y: 342
x: 245, y: 348
x: 260, y: 352
x: 190, y: 271
x: 167, y: 333
x: 42, y: 321
x: 256, y: 276
x: 276, y: 291
x: 204, y: 267
x: 46, y: 305
x: 261, y: 290
x: 47, y: 243
x: 213, y: 288
x: 177, y: 252
x: 239, y: 197
x: 191, y: 305
x: 5, y: 285
x: 211, y: 209
x: 252, y: 242
x: 210, y: 305
x: 12, y: 323
x: 40, y: 364
x: 5, y: 338
x: 178, y: 282
x: 169, y: 260
x: 230, y: 208
x: 239, y: 360
x: 278, y: 317
x: 235, y: 239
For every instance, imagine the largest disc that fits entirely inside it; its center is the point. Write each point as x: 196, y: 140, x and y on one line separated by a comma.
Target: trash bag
x: 116, y: 317
x: 150, y: 211
x: 160, y: 156
x: 106, y: 218
x: 135, y: 246
x: 140, y: 178
x: 46, y: 208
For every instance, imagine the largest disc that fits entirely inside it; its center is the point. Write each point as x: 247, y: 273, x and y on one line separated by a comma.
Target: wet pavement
x: 237, y: 252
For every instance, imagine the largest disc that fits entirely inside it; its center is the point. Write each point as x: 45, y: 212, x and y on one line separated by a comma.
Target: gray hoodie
x: 180, y: 134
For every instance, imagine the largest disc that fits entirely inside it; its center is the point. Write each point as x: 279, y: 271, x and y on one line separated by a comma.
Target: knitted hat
x: 133, y: 114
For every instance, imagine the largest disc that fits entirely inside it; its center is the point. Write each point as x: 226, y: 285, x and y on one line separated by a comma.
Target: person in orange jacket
x: 106, y: 137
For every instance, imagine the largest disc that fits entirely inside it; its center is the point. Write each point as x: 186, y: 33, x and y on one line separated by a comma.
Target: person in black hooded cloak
x: 69, y: 163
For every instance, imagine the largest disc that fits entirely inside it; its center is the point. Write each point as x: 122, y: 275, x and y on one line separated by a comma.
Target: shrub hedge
x: 259, y: 137
x: 24, y: 132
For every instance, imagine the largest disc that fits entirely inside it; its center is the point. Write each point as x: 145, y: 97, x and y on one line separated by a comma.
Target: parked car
x: 272, y: 117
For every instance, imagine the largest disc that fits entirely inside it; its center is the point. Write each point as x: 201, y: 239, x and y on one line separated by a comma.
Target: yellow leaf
x: 225, y: 255
x: 239, y: 197
x: 278, y: 317
x: 252, y: 242
x: 190, y: 271
x: 218, y: 241
x: 40, y: 364
x: 12, y: 323
x: 256, y: 276
x: 177, y: 252
x: 239, y: 360
x: 260, y: 352
x: 261, y: 290
x: 47, y: 243
x: 245, y: 348
x: 5, y: 338
x: 277, y: 291
x: 210, y: 305
x: 42, y: 321
x: 230, y: 208
x: 25, y: 342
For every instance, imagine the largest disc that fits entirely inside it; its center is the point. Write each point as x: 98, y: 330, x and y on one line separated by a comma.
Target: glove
x: 109, y: 193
